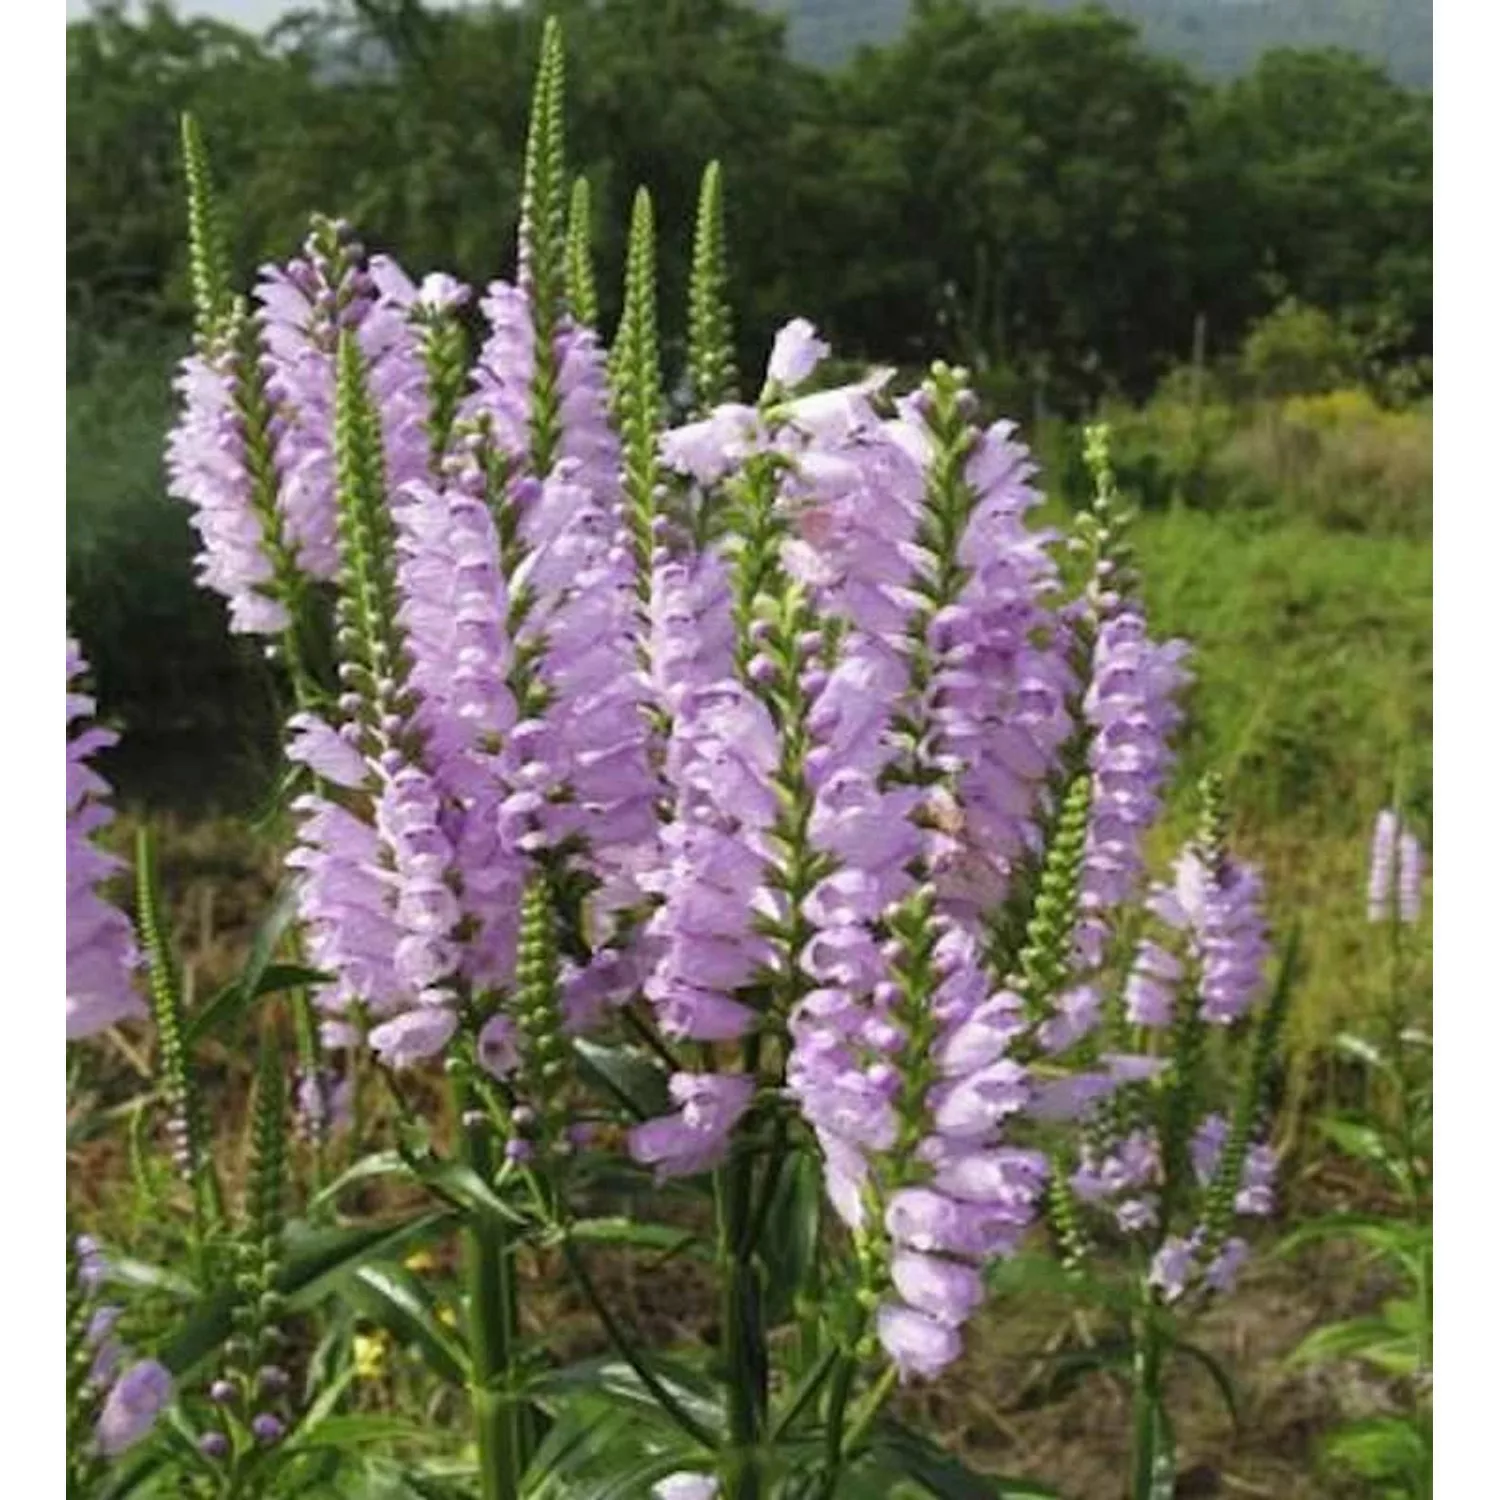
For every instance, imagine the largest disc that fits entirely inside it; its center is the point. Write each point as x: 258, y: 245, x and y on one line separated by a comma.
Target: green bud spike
x: 1062, y: 1218
x: 1250, y: 1104
x: 711, y: 372
x: 266, y: 1186
x: 583, y: 295
x: 185, y: 1125
x: 1102, y: 532
x: 538, y: 1007
x: 1212, y: 840
x: 543, y: 208
x: 208, y: 257
x: 1046, y: 958
x: 445, y: 352
x: 542, y: 269
x: 635, y: 377
x: 370, y: 639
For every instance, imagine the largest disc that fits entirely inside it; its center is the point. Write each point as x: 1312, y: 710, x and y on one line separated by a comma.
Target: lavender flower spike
x: 130, y: 1410
x: 1409, y: 879
x: 101, y: 944
x: 1396, y: 869
x: 1383, y: 864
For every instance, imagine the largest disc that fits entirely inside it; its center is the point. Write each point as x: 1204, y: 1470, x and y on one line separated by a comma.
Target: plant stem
x: 1146, y: 1408
x: 746, y: 1364
x: 493, y: 1330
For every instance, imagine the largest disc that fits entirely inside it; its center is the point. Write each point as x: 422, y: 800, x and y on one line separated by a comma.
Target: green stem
x: 1146, y: 1408
x: 493, y: 1331
x: 747, y: 1368
x: 833, y: 1432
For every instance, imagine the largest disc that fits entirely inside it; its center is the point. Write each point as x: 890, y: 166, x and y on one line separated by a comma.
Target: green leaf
x: 629, y: 1075
x: 369, y: 1427
x: 1383, y: 1448
x: 257, y: 977
x: 138, y: 1273
x: 1373, y: 1340
x: 612, y: 1380
x: 391, y: 1296
x: 315, y: 1260
x: 604, y: 1451
x: 1361, y: 1050
x: 1354, y: 1138
x: 915, y: 1457
x: 457, y: 1183
x: 788, y: 1245
x: 670, y: 1240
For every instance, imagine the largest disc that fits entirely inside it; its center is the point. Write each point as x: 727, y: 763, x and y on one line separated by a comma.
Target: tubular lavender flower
x: 1395, y: 886
x: 102, y: 953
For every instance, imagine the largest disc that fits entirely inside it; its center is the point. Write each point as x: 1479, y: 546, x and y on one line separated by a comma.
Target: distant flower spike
x: 207, y: 255
x: 711, y: 373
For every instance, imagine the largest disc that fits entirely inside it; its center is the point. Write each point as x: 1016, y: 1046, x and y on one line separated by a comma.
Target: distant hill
x: 1217, y: 37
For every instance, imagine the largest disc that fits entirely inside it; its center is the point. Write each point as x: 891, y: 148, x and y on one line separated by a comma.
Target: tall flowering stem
x: 542, y: 269
x: 711, y: 374
x: 636, y: 381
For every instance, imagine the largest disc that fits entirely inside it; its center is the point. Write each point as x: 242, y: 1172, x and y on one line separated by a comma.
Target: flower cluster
x: 773, y: 727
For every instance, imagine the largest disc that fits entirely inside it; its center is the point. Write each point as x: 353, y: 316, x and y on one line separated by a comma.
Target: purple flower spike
x: 130, y: 1411
x: 1409, y: 882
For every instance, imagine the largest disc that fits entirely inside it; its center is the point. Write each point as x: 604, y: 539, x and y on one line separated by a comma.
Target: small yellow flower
x: 421, y: 1261
x: 448, y: 1316
x: 370, y: 1350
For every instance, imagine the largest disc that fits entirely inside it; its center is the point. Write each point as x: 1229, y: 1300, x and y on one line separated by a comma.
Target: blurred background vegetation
x: 1231, y: 261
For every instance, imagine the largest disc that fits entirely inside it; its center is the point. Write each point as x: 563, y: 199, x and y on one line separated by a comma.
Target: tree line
x: 1036, y: 194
